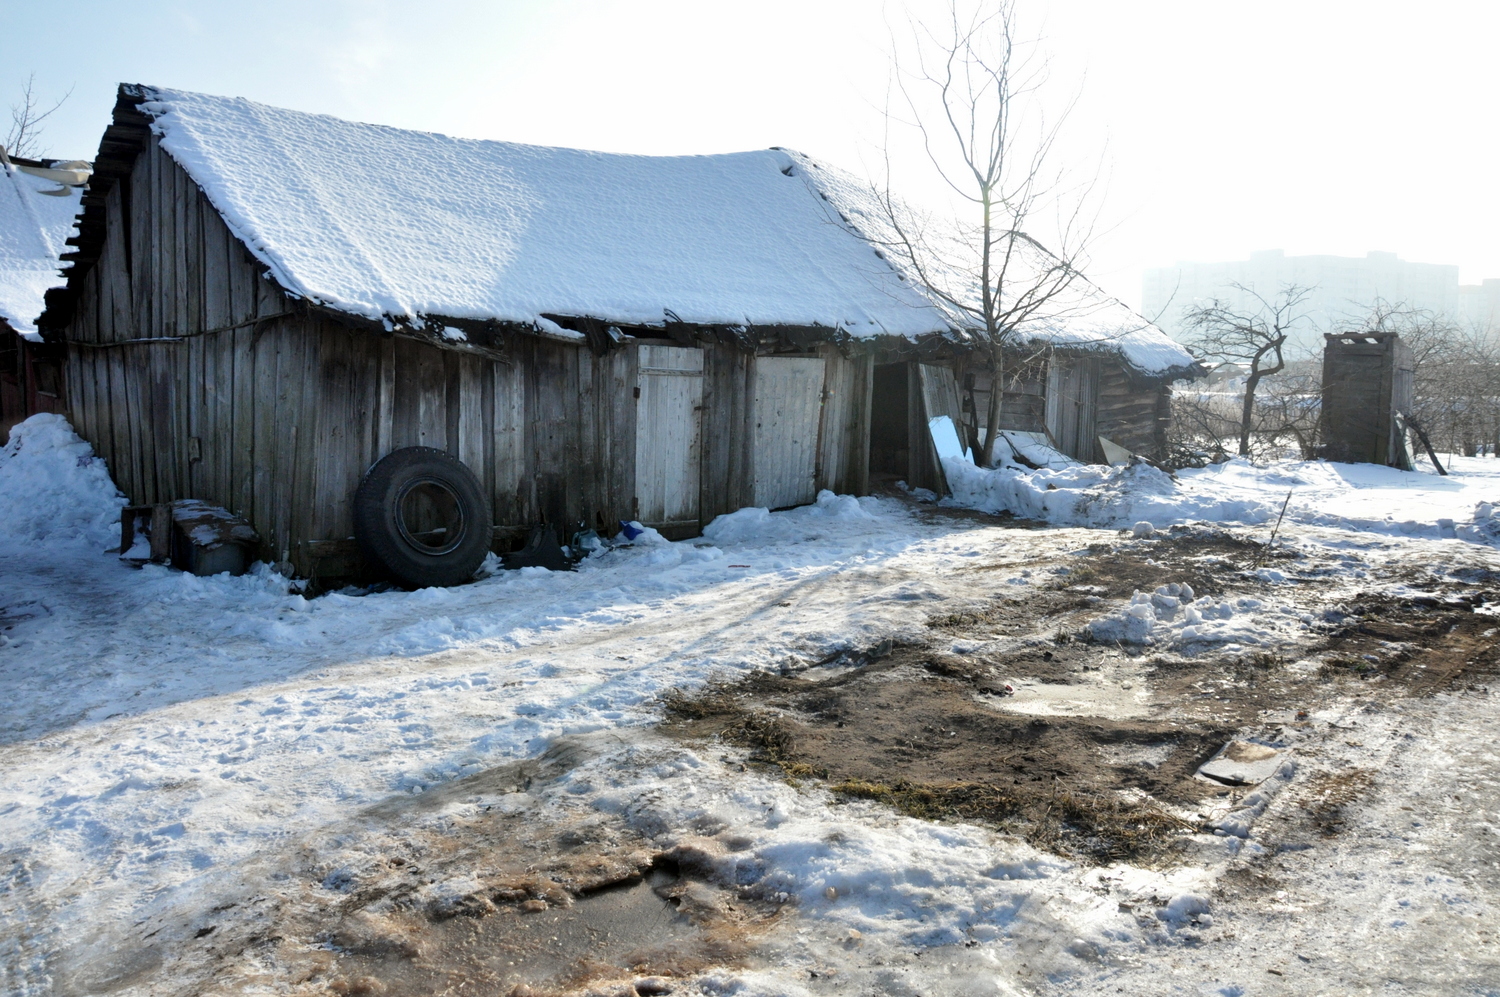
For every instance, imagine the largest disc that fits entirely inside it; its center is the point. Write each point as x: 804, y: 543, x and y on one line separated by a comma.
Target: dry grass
x: 1091, y: 827
x: 1097, y: 828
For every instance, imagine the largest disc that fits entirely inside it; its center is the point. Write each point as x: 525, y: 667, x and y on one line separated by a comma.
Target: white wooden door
x: 788, y: 403
x: 668, y: 434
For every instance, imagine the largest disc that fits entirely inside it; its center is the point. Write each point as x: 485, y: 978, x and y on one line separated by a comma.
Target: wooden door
x: 788, y: 404
x: 1072, y: 403
x: 668, y: 435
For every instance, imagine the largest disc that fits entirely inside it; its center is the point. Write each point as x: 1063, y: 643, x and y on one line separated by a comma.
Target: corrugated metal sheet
x: 668, y: 434
x: 788, y: 403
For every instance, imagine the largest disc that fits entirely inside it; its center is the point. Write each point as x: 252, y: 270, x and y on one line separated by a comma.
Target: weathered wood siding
x: 1072, y: 397
x: 844, y: 443
x: 194, y: 375
x: 1131, y: 415
x: 1367, y: 381
x: 668, y: 435
x: 788, y: 409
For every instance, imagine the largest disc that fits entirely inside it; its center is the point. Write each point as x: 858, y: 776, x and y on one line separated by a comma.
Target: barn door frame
x: 669, y: 382
x: 1073, y: 406
x: 787, y: 406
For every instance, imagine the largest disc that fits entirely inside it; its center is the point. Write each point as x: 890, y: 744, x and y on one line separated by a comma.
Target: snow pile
x: 52, y: 487
x: 753, y: 523
x: 33, y: 232
x: 385, y: 222
x: 1095, y: 495
x: 1171, y: 616
x: 1363, y: 497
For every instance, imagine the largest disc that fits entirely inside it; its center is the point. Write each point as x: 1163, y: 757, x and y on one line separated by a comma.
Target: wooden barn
x: 38, y: 203
x: 263, y: 304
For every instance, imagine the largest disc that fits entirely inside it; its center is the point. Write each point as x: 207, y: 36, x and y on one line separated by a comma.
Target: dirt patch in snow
x: 1426, y: 642
x: 478, y: 886
x: 899, y: 729
x: 1004, y: 713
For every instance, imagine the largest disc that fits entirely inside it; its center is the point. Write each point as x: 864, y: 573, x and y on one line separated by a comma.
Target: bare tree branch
x: 972, y: 89
x: 26, y: 117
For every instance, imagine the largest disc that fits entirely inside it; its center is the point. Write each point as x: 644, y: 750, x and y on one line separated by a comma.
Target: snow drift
x: 53, y: 487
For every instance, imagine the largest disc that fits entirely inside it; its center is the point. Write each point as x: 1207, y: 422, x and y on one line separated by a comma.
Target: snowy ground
x: 171, y: 745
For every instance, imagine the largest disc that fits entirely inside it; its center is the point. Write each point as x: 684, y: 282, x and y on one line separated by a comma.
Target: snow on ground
x: 1359, y: 497
x: 161, y: 730
x: 159, y: 725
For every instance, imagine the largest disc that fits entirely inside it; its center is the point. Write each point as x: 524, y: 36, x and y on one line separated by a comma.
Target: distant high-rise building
x: 1343, y: 290
x: 1479, y: 305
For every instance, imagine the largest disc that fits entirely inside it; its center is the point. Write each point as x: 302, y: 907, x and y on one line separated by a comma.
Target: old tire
x: 421, y: 515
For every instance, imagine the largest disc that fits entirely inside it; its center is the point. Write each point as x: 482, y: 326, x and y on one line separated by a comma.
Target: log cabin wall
x: 195, y: 376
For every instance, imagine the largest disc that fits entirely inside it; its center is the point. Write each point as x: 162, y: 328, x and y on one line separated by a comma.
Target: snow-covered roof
x: 1101, y: 323
x: 394, y: 224
x: 34, y: 227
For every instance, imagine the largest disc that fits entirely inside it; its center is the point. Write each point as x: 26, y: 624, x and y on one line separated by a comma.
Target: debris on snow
x: 1242, y: 763
x: 1239, y: 820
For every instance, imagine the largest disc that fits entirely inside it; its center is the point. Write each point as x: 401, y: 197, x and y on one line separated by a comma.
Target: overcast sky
x: 1314, y: 127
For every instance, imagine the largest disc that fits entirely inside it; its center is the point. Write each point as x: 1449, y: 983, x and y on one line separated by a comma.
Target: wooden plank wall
x: 195, y: 376
x: 1366, y: 380
x: 788, y: 408
x: 728, y: 476
x: 1072, y: 406
x: 844, y: 446
x: 1130, y: 415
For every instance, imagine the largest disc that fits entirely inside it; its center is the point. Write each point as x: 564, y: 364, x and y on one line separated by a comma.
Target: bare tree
x: 1208, y: 418
x: 1456, y: 380
x: 1287, y: 408
x: 1256, y: 339
x: 971, y: 88
x: 26, y: 117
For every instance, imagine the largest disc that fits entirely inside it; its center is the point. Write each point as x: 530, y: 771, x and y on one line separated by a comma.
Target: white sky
x: 1315, y: 127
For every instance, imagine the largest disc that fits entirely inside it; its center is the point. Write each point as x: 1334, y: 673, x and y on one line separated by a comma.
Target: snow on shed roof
x: 34, y: 228
x: 388, y: 223
x: 1083, y: 317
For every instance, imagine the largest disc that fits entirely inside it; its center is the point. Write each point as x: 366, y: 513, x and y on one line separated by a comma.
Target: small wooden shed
x: 1111, y: 380
x: 1367, y: 390
x: 263, y: 303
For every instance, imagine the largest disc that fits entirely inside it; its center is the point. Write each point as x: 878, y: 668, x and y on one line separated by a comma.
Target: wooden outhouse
x: 264, y: 303
x: 1367, y: 390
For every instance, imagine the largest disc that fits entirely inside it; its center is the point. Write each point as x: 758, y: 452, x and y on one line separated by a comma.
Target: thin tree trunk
x: 997, y: 394
x: 1247, y: 413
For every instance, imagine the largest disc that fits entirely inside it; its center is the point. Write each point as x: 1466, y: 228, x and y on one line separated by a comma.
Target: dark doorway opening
x: 888, y: 421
